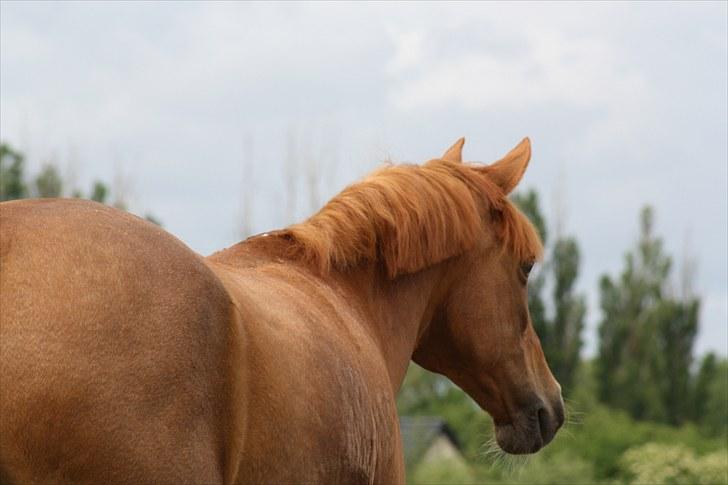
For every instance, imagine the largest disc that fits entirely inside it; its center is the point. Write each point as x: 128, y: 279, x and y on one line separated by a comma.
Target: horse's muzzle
x: 532, y: 429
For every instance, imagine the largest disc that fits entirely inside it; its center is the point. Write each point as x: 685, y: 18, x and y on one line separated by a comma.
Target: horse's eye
x: 526, y: 268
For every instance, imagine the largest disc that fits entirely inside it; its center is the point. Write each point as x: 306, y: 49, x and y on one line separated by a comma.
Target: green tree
x: 529, y: 204
x: 561, y: 334
x: 714, y: 420
x: 99, y: 192
x: 12, y: 177
x: 645, y: 336
x: 677, y: 327
x: 569, y: 312
x: 701, y: 387
x: 48, y: 182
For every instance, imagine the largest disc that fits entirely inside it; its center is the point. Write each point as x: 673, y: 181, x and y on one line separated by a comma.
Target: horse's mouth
x: 525, y: 429
x: 529, y: 432
x: 516, y: 440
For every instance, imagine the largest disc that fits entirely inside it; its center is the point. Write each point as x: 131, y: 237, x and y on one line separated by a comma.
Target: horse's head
x: 481, y: 336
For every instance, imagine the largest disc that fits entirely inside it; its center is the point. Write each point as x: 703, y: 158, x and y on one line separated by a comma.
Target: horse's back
x: 115, y: 350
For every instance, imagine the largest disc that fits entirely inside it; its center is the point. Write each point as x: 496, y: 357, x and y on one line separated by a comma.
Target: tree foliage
x: 12, y: 174
x: 48, y: 183
x: 529, y: 205
x: 99, y: 192
x: 646, y: 335
x: 569, y: 312
x: 561, y: 332
x: 675, y: 463
x: 711, y: 397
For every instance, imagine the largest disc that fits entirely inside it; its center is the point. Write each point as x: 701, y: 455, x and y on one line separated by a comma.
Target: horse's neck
x: 397, y: 311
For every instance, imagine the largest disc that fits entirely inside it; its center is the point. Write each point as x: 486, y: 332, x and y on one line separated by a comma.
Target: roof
x: 418, y: 434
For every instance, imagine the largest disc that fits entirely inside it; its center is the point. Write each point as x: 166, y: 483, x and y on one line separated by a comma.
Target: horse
x: 128, y: 358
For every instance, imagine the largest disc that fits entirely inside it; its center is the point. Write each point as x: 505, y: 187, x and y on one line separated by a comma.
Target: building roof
x: 418, y: 434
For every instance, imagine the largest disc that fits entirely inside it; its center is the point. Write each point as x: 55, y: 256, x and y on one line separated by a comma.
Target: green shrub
x: 442, y: 472
x: 559, y: 468
x: 674, y: 464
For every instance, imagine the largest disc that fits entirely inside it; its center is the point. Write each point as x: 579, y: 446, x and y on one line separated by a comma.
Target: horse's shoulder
x: 308, y: 343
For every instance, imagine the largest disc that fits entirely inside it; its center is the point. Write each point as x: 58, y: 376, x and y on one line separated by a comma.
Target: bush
x: 442, y: 472
x: 560, y: 467
x: 674, y: 464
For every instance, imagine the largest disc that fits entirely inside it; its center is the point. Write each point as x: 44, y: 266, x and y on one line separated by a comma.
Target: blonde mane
x: 410, y: 217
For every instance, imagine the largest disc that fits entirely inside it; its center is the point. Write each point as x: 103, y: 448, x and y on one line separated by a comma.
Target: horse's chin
x: 520, y: 436
x: 518, y: 439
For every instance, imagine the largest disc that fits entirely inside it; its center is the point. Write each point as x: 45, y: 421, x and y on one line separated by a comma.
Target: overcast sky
x: 626, y: 105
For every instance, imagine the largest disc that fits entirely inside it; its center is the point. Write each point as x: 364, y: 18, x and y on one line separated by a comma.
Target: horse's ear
x: 509, y: 170
x: 455, y: 152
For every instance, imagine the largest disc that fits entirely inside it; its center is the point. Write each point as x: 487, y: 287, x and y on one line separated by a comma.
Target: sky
x: 207, y: 115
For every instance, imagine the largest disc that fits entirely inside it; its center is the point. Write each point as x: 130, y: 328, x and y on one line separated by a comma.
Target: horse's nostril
x: 543, y: 424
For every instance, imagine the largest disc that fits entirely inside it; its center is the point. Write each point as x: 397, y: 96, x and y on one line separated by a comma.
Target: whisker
x: 493, y: 453
x: 572, y: 415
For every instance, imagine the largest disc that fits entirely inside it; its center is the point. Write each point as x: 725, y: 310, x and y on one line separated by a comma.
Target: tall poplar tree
x: 560, y: 333
x: 48, y: 182
x: 529, y: 204
x: 569, y: 311
x: 646, y: 335
x: 12, y: 176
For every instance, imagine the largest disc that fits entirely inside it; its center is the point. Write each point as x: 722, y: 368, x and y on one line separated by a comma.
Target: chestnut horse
x: 127, y: 358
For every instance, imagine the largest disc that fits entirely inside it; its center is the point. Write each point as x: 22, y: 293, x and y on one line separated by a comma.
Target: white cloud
x: 551, y: 70
x: 408, y: 51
